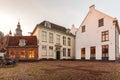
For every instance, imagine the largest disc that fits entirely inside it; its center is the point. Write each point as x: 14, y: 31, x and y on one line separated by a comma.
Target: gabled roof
x: 93, y: 7
x: 14, y: 40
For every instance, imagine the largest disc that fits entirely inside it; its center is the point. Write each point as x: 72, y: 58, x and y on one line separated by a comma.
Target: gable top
x: 14, y: 40
x: 92, y: 8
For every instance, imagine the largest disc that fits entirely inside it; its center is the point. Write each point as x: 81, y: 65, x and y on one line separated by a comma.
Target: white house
x: 55, y: 42
x: 97, y: 37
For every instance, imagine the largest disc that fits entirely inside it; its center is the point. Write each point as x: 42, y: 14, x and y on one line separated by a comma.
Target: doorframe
x: 58, y: 57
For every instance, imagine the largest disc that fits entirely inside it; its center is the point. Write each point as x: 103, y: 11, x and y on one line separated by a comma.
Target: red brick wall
x: 18, y: 50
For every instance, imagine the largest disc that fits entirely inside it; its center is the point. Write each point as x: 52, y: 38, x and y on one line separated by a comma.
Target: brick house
x: 20, y: 47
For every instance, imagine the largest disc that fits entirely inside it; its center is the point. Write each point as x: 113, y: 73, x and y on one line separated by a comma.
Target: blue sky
x: 61, y: 12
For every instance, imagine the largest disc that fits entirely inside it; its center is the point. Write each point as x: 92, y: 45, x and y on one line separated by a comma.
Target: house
x: 21, y: 47
x: 55, y: 42
x: 97, y: 37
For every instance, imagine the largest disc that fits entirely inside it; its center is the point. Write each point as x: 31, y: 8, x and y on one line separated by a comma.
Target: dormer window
x: 47, y: 24
x: 83, y: 28
x: 22, y: 42
x: 68, y: 31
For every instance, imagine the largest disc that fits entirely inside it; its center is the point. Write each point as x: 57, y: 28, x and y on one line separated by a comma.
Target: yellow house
x: 55, y: 42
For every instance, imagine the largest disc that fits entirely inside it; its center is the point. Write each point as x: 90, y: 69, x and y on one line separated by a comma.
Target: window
x: 92, y: 51
x: 101, y: 22
x: 105, y: 50
x: 69, y: 52
x: 64, y: 52
x: 82, y: 52
x: 31, y: 54
x: 51, y: 50
x: 83, y: 28
x: 12, y: 53
x: 68, y: 31
x: 44, y: 36
x: 69, y: 42
x: 64, y: 40
x: 22, y: 54
x: 58, y: 39
x: 51, y: 37
x: 44, y: 50
x: 105, y: 36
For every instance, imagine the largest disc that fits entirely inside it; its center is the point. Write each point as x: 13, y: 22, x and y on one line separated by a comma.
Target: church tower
x: 18, y: 30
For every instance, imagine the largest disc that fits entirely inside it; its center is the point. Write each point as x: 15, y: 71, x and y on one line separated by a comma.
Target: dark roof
x: 54, y: 26
x: 14, y: 40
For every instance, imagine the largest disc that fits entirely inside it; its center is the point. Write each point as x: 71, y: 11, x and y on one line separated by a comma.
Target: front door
x: 57, y: 54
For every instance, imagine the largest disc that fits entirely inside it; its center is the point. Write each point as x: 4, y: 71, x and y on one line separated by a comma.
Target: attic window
x: 22, y: 42
x: 83, y: 28
x: 101, y: 22
x: 47, y: 24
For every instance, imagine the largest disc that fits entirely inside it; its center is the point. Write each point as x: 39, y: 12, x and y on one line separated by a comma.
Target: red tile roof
x: 14, y: 40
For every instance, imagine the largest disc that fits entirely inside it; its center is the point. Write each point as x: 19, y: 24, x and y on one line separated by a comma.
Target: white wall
x: 92, y: 35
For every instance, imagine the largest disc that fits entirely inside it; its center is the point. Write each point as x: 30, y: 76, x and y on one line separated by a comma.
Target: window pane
x: 83, y: 28
x: 101, y: 22
x: 69, y: 42
x: 44, y: 50
x: 51, y: 50
x: 83, y: 52
x: 22, y: 54
x: 50, y: 37
x: 69, y: 52
x: 105, y: 50
x: 58, y: 39
x: 64, y: 51
x: 31, y: 54
x: 12, y: 54
x: 64, y: 40
x: 105, y: 36
x: 44, y: 36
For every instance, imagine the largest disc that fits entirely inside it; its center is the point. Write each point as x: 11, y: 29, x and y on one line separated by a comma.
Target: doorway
x: 57, y: 55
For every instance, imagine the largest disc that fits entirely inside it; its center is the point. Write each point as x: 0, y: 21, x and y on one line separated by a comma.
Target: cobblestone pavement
x: 61, y: 70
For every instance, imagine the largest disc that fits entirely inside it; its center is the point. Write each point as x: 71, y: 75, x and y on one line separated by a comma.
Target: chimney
x: 92, y: 7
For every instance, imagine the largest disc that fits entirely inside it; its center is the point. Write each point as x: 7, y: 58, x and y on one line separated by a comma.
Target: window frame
x: 64, y: 52
x: 44, y: 50
x: 57, y: 38
x: 92, y: 51
x: 44, y: 36
x: 51, y: 38
x: 69, y: 41
x: 51, y: 52
x: 105, y: 36
x: 22, y: 52
x: 105, y: 50
x: 101, y: 22
x: 64, y: 40
x: 31, y: 54
x: 69, y: 52
x: 83, y: 28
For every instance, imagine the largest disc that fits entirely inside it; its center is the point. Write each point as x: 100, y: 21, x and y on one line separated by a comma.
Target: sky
x: 62, y: 12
